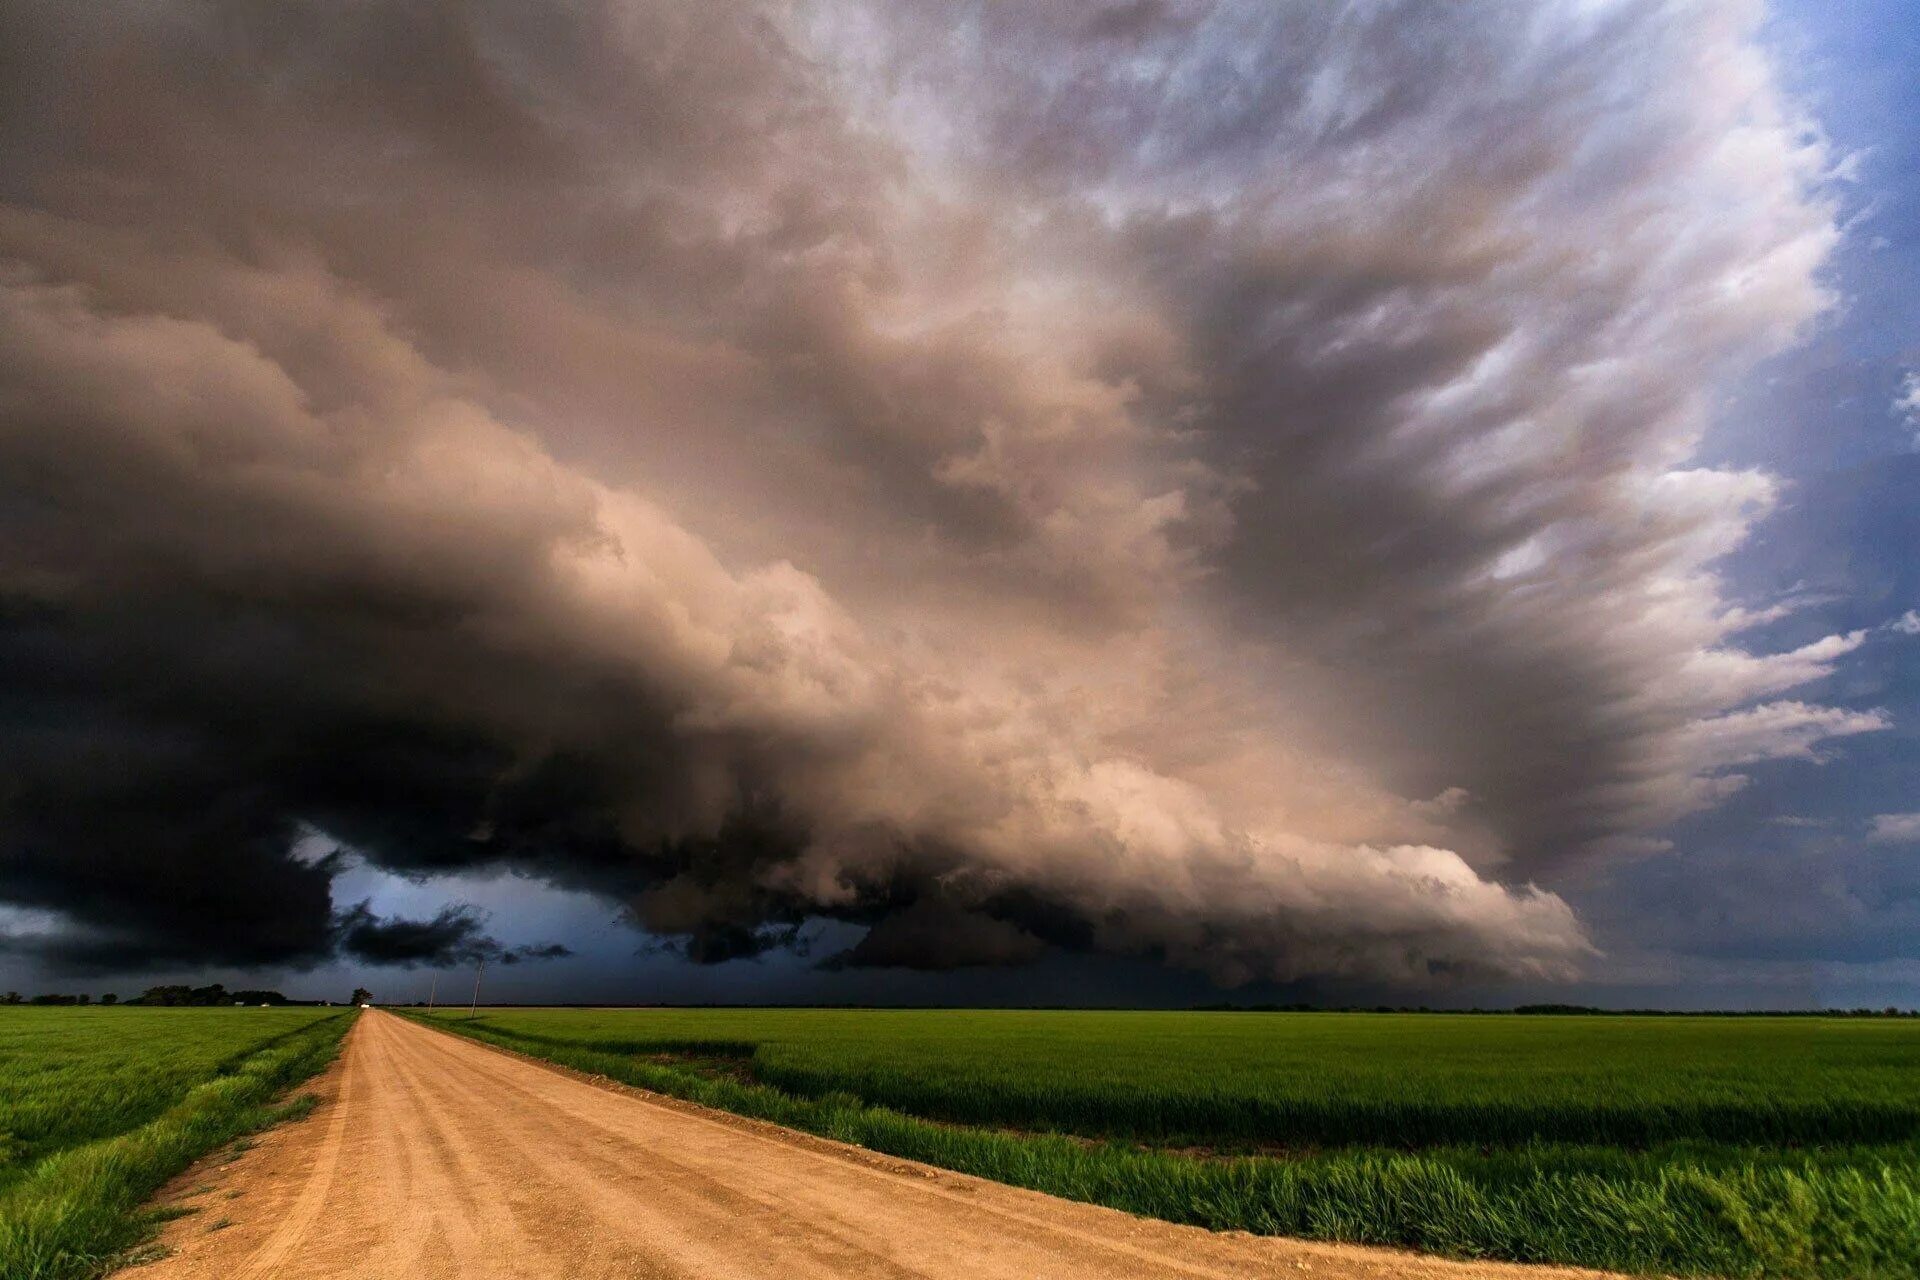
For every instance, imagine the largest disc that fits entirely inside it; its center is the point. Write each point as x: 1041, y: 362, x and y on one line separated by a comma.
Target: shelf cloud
x: 1211, y: 483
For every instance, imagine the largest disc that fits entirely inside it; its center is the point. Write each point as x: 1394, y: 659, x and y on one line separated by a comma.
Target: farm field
x: 99, y: 1106
x: 1714, y: 1146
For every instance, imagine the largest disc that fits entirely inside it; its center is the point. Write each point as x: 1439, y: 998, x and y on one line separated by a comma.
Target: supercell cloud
x: 1206, y: 483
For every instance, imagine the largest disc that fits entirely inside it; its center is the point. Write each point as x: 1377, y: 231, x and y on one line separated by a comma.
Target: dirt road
x: 431, y: 1158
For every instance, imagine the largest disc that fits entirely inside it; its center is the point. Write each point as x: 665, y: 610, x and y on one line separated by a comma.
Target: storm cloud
x: 456, y: 934
x: 1214, y: 483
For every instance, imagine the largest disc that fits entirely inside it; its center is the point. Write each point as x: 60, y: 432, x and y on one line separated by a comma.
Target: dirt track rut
x: 432, y: 1157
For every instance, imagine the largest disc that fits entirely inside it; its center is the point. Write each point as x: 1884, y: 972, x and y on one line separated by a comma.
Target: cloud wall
x: 1211, y: 483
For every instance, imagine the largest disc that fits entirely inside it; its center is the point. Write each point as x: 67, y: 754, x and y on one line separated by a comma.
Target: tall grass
x: 71, y: 1210
x: 1318, y: 1079
x: 70, y: 1075
x: 1726, y: 1207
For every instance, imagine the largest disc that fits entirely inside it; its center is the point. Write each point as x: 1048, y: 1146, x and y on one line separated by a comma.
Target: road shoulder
x: 230, y: 1202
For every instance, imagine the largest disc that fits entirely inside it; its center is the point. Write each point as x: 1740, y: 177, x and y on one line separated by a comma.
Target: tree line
x: 178, y: 995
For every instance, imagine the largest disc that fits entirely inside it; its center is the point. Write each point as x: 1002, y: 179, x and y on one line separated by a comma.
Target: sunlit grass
x: 106, y: 1104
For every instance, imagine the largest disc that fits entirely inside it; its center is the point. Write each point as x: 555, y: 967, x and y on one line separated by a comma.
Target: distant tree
x: 83, y: 998
x: 212, y: 994
x: 12, y: 997
x: 109, y: 998
x: 54, y: 998
x: 360, y: 996
x: 181, y: 994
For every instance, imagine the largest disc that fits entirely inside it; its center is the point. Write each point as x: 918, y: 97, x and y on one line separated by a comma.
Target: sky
x: 1144, y: 503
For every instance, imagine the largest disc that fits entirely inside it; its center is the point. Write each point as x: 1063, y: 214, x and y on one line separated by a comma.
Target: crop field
x: 99, y: 1106
x: 1710, y: 1146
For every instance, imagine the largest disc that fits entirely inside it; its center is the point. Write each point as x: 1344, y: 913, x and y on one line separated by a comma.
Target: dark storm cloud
x: 1228, y: 503
x: 454, y: 935
x: 934, y: 934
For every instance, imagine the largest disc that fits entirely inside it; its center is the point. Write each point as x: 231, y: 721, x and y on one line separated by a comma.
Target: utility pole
x: 476, y: 988
x: 431, y: 988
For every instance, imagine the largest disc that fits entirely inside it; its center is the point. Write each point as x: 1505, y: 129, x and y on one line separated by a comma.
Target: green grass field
x: 100, y: 1106
x: 1714, y: 1146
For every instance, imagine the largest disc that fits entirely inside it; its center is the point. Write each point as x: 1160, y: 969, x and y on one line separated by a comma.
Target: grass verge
x: 73, y: 1213
x: 1726, y: 1212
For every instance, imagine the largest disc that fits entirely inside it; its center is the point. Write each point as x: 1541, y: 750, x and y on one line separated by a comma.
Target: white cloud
x: 1895, y: 827
x: 1907, y: 405
x: 1775, y: 731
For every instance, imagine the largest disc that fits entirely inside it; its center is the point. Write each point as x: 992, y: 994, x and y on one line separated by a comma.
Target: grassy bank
x: 1088, y: 1105
x: 112, y: 1103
